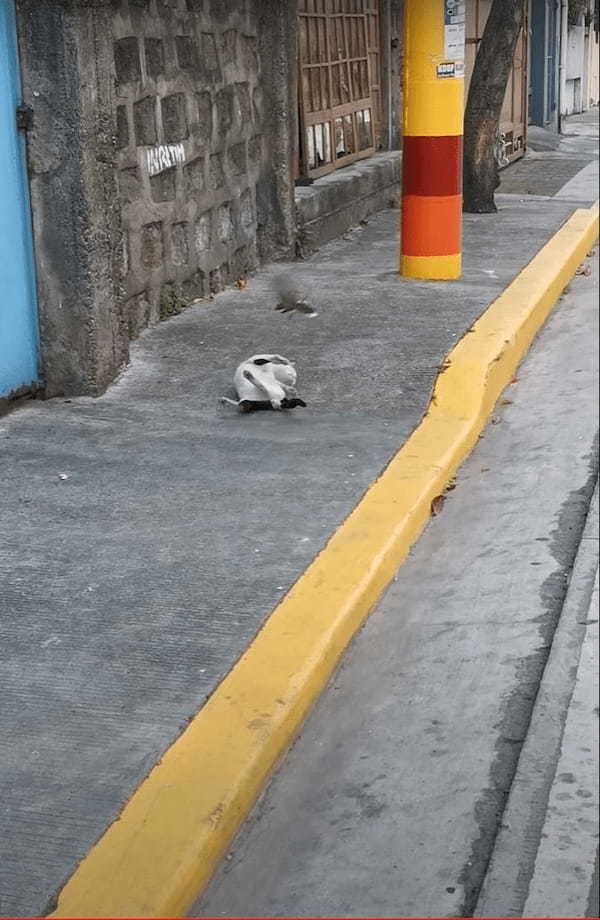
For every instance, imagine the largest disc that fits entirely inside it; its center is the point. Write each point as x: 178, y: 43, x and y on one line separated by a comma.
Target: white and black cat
x: 265, y: 382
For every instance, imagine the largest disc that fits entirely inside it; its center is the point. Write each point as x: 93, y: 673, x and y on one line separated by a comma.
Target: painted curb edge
x: 160, y: 853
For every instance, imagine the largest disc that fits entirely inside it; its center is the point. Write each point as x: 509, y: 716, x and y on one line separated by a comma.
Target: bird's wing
x: 288, y: 290
x: 291, y: 296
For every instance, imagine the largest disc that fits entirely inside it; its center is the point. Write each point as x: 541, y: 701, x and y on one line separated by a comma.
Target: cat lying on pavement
x: 265, y: 382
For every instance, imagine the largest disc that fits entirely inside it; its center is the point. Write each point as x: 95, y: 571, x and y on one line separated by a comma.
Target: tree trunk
x: 493, y: 63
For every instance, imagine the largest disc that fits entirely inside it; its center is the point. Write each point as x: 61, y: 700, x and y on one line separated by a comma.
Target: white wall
x: 572, y: 100
x: 591, y: 77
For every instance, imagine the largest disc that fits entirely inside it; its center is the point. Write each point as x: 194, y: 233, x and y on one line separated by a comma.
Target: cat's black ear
x: 260, y: 361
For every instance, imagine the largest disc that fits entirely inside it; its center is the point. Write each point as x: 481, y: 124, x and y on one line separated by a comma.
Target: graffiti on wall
x: 164, y: 156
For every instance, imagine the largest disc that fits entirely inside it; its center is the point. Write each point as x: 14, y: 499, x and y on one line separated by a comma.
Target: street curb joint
x: 161, y: 852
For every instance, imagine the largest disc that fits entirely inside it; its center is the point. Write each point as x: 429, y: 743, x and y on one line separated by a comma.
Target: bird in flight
x: 291, y: 297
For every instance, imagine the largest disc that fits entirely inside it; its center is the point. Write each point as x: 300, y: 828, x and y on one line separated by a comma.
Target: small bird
x: 291, y: 297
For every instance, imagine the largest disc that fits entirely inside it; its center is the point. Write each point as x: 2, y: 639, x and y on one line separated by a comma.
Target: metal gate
x: 513, y: 119
x: 544, y: 72
x: 18, y: 313
x: 339, y: 83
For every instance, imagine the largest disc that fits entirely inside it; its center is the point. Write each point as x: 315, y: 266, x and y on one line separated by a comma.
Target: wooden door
x: 339, y: 76
x: 513, y: 119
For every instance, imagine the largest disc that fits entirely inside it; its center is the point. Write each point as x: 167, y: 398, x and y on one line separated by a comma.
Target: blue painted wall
x: 544, y: 56
x: 18, y: 310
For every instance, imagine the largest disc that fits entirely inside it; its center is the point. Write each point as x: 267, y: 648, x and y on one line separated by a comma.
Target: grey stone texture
x: 334, y: 203
x: 199, y: 72
x: 170, y: 113
x: 67, y: 74
x: 151, y: 113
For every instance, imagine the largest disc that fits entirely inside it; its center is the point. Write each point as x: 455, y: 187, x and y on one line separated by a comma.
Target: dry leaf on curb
x: 437, y: 504
x: 584, y: 270
x: 451, y: 485
x: 515, y: 380
x: 506, y: 402
x: 241, y: 284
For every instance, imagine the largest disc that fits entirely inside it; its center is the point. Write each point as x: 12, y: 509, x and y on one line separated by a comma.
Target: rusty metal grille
x: 339, y: 83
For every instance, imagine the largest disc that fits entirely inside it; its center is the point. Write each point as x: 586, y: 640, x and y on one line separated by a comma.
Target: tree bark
x: 493, y: 64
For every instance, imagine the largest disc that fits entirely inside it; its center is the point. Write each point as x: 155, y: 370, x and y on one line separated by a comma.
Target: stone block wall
x: 161, y: 161
x: 189, y: 136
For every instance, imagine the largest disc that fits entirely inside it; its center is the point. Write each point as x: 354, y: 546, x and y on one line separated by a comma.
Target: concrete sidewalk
x: 552, y: 160
x: 148, y: 534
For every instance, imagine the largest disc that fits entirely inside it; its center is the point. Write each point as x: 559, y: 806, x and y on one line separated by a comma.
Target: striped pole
x: 433, y: 126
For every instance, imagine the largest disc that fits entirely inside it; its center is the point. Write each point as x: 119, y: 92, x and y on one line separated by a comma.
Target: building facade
x: 170, y: 146
x: 579, y: 89
x: 564, y: 52
x: 159, y: 164
x: 164, y: 142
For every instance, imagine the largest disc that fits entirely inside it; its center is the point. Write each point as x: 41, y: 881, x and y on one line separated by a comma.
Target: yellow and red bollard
x: 431, y: 231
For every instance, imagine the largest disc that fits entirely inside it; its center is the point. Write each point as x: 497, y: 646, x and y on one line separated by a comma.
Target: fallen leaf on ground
x: 451, y: 485
x: 241, y: 284
x: 506, y: 402
x: 515, y: 380
x: 437, y: 504
x: 584, y: 270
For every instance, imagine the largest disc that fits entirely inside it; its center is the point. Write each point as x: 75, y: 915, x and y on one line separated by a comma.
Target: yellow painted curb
x: 156, y: 858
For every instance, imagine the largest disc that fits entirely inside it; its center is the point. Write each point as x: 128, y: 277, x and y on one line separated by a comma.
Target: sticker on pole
x: 450, y: 69
x: 454, y: 29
